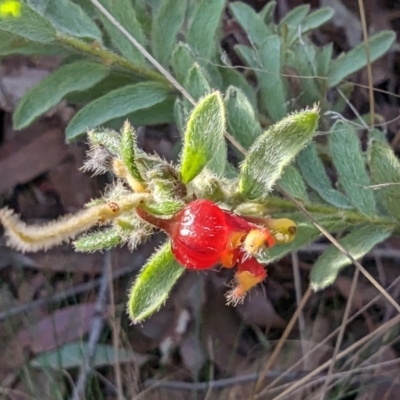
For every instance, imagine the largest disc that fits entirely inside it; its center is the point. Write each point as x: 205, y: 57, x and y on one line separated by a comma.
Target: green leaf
x: 316, y: 19
x: 128, y: 145
x: 125, y: 14
x: 182, y: 60
x: 196, y: 83
x: 13, y: 44
x: 204, y: 133
x: 358, y: 243
x: 292, y: 182
x: 385, y: 171
x: 114, y: 80
x: 52, y: 89
x: 296, y: 16
x: 301, y: 58
x: 356, y: 58
x: 251, y: 22
x: 218, y: 161
x: 167, y: 207
x: 153, y: 284
x: 313, y: 171
x: 231, y: 77
x: 273, y: 150
x: 98, y: 241
x: 166, y: 25
x: 202, y: 34
x: 241, y: 118
x: 267, y: 12
x: 272, y: 86
x: 72, y: 355
x: 180, y: 115
x: 349, y: 163
x: 67, y: 17
x: 29, y: 25
x: 117, y: 103
x: 376, y: 134
x: 323, y: 61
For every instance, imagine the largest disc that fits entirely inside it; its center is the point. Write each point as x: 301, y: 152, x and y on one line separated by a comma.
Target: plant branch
x: 110, y: 58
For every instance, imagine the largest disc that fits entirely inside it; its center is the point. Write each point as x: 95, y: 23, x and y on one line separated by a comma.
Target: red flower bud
x: 204, y: 235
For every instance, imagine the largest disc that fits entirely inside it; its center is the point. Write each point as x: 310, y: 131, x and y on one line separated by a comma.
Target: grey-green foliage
x: 358, y: 242
x: 313, y: 172
x: 165, y: 26
x: 385, y: 174
x: 292, y: 182
x: 242, y: 121
x: 350, y: 166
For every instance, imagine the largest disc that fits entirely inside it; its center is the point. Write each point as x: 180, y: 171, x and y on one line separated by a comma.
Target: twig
x: 341, y: 333
x: 95, y: 330
x: 332, y: 334
x: 369, y: 67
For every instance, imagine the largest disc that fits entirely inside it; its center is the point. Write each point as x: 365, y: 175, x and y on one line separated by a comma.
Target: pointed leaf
x: 358, y: 243
x: 196, y: 83
x: 273, y: 150
x: 323, y: 61
x: 182, y: 60
x: 29, y: 25
x: 98, y: 241
x: 218, y: 162
x: 385, y: 171
x: 125, y: 14
x: 51, y: 90
x: 128, y: 148
x: 231, y: 77
x: 241, y: 118
x: 345, y: 146
x: 251, y: 22
x: 292, y: 182
x: 153, y: 284
x: 316, y: 19
x: 204, y: 133
x: 272, y: 87
x: 313, y: 171
x: 202, y: 34
x: 117, y: 103
x: 166, y: 25
x: 356, y: 58
x: 268, y: 11
x: 67, y: 17
x: 296, y: 16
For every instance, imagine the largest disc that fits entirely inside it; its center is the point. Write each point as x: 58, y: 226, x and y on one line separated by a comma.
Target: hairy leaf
x: 107, y: 138
x: 385, y: 172
x: 251, y: 22
x: 153, y: 284
x: 323, y: 61
x: 30, y: 25
x: 67, y: 17
x: 241, y: 118
x: 182, y: 60
x: 292, y: 182
x: 268, y: 11
x: 202, y: 34
x: 273, y: 150
x: 204, y: 134
x: 51, y: 90
x: 313, y: 171
x: 128, y: 149
x: 125, y: 14
x: 117, y: 103
x: 295, y: 16
x: 166, y: 25
x: 358, y: 243
x: 349, y: 163
x: 356, y: 58
x: 98, y: 241
x: 196, y: 83
x: 317, y: 18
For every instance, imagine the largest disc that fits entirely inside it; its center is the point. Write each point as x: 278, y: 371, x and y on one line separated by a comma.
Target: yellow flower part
x: 10, y: 8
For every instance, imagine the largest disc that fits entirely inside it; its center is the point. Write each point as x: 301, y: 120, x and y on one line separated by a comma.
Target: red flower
x: 249, y: 273
x: 204, y: 235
